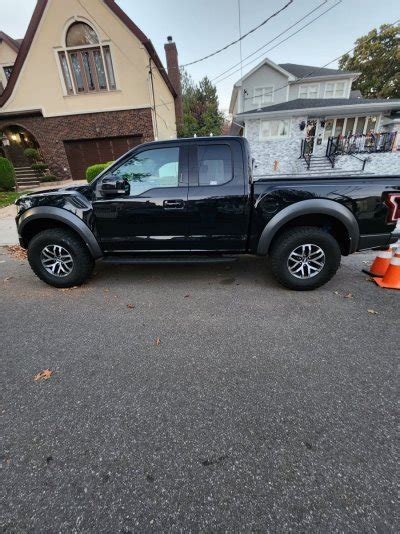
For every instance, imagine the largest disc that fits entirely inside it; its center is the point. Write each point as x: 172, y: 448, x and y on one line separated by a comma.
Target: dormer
x: 9, y: 48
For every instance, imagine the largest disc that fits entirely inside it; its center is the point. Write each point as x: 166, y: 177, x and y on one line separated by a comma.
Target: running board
x: 184, y: 260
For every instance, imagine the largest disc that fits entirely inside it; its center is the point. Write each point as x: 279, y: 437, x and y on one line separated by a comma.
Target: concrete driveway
x: 258, y: 408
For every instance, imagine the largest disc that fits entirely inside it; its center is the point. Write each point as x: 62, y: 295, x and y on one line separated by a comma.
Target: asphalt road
x: 260, y: 409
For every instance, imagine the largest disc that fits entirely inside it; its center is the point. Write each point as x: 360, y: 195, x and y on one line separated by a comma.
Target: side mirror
x: 113, y: 185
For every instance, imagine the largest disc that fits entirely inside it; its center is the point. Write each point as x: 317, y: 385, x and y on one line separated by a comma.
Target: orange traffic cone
x: 380, y: 264
x: 391, y: 279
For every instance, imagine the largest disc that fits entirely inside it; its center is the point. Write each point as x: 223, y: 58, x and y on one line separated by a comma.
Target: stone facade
x: 277, y: 156
x: 51, y: 132
x: 281, y: 156
x: 379, y: 163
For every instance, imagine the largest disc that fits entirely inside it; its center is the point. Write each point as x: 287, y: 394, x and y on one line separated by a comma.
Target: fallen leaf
x: 130, y: 306
x: 17, y: 252
x: 7, y: 279
x: 158, y: 341
x: 373, y: 312
x: 348, y: 296
x: 336, y: 292
x: 66, y: 289
x: 44, y: 375
x: 187, y: 296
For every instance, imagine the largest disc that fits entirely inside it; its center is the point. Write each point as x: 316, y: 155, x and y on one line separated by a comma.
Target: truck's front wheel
x: 304, y: 258
x: 59, y: 258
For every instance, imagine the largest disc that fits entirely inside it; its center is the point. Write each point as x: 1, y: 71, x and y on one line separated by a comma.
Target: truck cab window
x: 151, y: 169
x: 215, y: 164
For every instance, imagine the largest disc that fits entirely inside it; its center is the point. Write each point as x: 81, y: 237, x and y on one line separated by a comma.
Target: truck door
x: 217, y: 200
x: 152, y: 214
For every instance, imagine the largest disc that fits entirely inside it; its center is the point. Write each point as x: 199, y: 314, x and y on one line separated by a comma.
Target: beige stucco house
x: 84, y: 85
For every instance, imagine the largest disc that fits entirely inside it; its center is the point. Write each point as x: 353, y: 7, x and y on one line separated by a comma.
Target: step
x: 28, y: 182
x: 24, y: 173
x: 156, y: 260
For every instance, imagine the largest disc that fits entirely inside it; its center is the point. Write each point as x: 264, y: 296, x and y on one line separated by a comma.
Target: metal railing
x: 306, y: 150
x: 364, y: 144
x: 331, y: 150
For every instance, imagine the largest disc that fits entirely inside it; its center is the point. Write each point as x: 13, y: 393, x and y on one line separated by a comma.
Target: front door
x: 152, y: 215
x: 217, y: 203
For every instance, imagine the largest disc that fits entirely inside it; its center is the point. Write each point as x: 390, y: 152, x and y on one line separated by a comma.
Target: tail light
x: 393, y: 202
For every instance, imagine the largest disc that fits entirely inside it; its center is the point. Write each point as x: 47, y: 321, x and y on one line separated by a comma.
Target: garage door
x: 85, y: 152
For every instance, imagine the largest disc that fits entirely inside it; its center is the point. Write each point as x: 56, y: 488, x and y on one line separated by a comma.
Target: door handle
x: 177, y: 204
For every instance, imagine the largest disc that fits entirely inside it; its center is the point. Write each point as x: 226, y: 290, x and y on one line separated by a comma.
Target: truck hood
x: 83, y: 189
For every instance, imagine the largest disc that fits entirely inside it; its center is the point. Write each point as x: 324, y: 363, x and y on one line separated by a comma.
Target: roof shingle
x: 309, y: 71
x: 307, y: 103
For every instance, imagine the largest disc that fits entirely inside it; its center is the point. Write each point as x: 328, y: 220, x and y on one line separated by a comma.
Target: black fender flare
x: 308, y: 207
x: 66, y: 217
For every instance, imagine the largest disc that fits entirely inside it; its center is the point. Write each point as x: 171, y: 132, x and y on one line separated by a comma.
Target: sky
x: 201, y: 26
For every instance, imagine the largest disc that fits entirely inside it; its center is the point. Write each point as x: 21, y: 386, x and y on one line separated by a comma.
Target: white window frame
x: 356, y: 117
x: 307, y: 86
x: 344, y: 82
x: 274, y: 137
x: 271, y: 91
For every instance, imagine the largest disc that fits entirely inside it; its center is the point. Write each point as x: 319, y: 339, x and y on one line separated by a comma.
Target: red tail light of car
x: 393, y: 202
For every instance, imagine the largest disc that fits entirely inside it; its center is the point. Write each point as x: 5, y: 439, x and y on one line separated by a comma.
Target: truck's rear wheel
x: 59, y: 258
x: 305, y: 258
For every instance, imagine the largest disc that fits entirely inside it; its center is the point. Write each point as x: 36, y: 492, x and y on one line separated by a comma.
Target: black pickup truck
x: 195, y: 200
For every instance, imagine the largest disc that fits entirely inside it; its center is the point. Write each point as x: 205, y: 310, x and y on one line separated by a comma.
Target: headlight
x: 24, y: 204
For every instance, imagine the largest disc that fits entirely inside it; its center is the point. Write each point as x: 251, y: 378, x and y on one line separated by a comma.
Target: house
x: 303, y: 119
x: 83, y: 86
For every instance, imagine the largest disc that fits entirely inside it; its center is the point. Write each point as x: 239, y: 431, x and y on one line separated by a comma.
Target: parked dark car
x: 194, y: 200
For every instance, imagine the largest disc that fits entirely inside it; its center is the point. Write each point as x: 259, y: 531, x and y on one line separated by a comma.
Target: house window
x: 86, y: 65
x: 335, y: 90
x: 309, y: 91
x: 350, y: 126
x: 263, y: 95
x: 8, y: 71
x: 278, y: 129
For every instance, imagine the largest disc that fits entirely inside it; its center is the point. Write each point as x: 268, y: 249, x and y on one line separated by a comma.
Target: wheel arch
x: 34, y: 220
x: 313, y: 212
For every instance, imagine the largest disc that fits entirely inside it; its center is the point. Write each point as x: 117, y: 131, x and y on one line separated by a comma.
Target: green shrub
x: 7, y: 175
x: 32, y: 154
x: 49, y: 178
x: 39, y: 167
x: 94, y: 170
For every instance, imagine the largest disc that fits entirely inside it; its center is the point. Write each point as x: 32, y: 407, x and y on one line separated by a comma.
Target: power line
x: 332, y: 61
x: 241, y: 37
x: 272, y: 40
x: 280, y: 42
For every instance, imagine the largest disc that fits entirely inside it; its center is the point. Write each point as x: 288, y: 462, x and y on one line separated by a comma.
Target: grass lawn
x: 8, y: 197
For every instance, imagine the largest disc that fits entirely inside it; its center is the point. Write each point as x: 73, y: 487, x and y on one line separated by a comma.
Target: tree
x: 200, y: 108
x: 377, y: 57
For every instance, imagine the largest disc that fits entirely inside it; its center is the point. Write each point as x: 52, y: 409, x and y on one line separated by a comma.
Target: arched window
x: 80, y: 34
x: 86, y: 65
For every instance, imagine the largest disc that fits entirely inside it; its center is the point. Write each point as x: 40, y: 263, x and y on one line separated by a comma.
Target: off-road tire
x: 83, y: 262
x: 292, y: 238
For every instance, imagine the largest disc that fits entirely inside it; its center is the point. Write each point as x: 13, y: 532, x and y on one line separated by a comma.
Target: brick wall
x: 50, y: 132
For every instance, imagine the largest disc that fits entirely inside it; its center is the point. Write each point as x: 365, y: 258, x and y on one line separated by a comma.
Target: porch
x: 357, y: 146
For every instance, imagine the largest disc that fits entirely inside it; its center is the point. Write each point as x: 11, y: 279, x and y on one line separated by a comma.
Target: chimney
x: 174, y: 74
